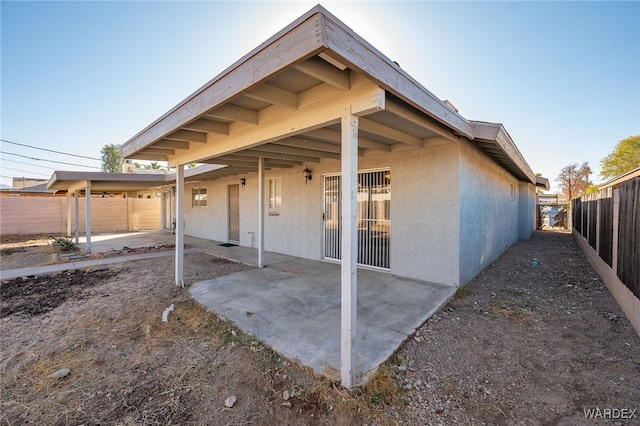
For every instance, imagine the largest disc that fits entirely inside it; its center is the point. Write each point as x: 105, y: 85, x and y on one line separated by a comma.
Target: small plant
x: 64, y: 243
x: 462, y: 291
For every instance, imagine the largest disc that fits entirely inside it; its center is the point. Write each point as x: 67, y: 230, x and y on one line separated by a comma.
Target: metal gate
x: 373, y: 218
x: 234, y: 213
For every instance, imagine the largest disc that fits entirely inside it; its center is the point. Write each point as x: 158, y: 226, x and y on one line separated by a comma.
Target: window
x: 513, y: 192
x: 275, y: 193
x: 199, y: 197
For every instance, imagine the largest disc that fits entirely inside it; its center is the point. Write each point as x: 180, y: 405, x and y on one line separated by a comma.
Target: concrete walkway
x: 292, y: 304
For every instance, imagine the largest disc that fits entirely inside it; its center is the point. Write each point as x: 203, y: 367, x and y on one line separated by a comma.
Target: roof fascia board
x: 299, y: 40
x: 621, y: 178
x: 496, y: 132
x: 366, y: 59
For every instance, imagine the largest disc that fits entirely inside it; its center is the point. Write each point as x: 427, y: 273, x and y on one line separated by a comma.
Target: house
x: 332, y: 152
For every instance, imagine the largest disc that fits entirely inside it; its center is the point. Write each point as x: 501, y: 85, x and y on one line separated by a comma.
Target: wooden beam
x: 234, y: 113
x: 77, y: 186
x: 334, y: 136
x: 349, y: 252
x: 420, y: 119
x: 282, y: 149
x: 327, y: 112
x: 179, y: 261
x: 323, y: 71
x: 259, y: 152
x: 273, y: 95
x: 188, y: 136
x: 208, y: 126
x: 167, y: 143
x: 158, y: 151
x: 388, y: 132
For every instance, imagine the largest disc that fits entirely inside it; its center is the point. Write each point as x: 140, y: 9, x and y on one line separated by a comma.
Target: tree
x: 624, y: 157
x: 154, y: 166
x: 574, y: 180
x: 112, y: 158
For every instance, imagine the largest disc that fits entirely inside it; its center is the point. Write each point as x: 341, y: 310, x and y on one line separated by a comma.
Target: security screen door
x: 373, y: 218
x: 234, y: 213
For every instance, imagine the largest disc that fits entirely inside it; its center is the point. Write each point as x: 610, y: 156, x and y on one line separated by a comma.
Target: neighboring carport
x: 74, y: 183
x: 314, y: 92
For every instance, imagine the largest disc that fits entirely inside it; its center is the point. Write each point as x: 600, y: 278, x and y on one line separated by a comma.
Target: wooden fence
x: 607, y: 226
x: 48, y: 215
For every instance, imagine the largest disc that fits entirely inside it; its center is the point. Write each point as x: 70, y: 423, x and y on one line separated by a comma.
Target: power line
x: 22, y: 171
x: 50, y: 150
x: 28, y: 164
x: 50, y: 161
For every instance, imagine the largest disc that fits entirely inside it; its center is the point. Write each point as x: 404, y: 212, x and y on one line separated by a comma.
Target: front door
x: 234, y: 213
x: 373, y: 217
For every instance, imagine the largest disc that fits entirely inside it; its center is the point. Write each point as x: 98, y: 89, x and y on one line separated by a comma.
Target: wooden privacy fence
x: 609, y: 222
x: 48, y: 215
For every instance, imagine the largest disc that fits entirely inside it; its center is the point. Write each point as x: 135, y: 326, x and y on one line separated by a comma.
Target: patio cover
x: 313, y: 92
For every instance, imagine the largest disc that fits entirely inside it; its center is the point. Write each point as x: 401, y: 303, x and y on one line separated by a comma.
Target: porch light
x: 307, y: 174
x: 243, y: 181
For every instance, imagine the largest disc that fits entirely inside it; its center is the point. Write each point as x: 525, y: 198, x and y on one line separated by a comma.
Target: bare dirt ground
x: 519, y: 345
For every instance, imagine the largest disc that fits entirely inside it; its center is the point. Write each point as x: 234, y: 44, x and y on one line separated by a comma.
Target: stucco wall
x: 489, y: 211
x: 424, y: 211
x: 527, y: 206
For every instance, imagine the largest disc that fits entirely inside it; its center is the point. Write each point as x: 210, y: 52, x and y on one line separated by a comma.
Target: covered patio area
x: 293, y: 305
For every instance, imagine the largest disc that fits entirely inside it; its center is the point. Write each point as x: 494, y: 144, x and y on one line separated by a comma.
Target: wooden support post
x: 180, y: 225
x: 260, y: 212
x: 348, y: 278
x: 76, y: 234
x: 69, y: 234
x: 87, y: 215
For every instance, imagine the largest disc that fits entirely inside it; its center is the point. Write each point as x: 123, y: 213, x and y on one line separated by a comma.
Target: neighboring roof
x: 118, y: 182
x: 622, y: 178
x: 34, y: 189
x: 542, y: 182
x: 284, y: 101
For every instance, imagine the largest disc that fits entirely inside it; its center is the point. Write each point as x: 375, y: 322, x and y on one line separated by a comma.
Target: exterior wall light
x: 243, y: 181
x: 307, y: 174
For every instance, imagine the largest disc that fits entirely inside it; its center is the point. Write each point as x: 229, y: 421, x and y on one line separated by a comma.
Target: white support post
x: 348, y: 278
x: 69, y: 234
x: 180, y: 225
x: 163, y: 209
x: 260, y: 212
x: 76, y: 201
x: 87, y: 215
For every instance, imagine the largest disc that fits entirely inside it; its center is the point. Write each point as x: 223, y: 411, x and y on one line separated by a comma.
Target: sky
x: 562, y: 77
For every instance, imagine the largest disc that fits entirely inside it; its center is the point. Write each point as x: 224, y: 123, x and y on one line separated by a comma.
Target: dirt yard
x: 519, y: 345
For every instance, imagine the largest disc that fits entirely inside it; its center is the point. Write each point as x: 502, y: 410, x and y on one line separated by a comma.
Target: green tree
x: 624, y: 157
x: 112, y: 158
x: 574, y: 180
x: 154, y: 166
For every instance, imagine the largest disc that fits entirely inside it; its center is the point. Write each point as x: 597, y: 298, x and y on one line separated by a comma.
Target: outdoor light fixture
x: 307, y: 174
x: 243, y: 181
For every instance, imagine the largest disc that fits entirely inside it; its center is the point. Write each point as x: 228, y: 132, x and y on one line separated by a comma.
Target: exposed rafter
x: 188, y: 136
x: 208, y: 126
x: 274, y: 95
x: 322, y: 70
x: 234, y: 113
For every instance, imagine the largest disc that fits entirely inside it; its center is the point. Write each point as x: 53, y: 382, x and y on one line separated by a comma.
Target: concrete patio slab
x: 293, y: 305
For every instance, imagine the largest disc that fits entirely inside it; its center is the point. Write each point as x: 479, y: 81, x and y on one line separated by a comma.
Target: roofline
x: 314, y: 32
x: 621, y: 178
x: 495, y: 132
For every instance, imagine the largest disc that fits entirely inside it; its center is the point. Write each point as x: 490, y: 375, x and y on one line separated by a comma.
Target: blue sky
x: 563, y: 77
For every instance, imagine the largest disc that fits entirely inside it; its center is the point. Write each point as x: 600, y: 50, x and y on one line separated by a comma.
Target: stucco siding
x: 424, y: 211
x: 527, y: 207
x: 489, y: 211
